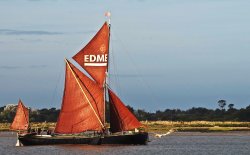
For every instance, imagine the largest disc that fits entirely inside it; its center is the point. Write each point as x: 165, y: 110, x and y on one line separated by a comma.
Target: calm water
x: 176, y: 143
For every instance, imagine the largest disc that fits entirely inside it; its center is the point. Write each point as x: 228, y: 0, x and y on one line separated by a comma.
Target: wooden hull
x: 127, y: 139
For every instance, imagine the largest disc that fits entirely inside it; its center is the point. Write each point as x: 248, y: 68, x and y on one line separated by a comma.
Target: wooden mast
x: 107, y: 14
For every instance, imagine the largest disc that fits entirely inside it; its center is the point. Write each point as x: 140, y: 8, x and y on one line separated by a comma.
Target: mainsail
x: 82, y: 105
x: 21, y: 120
x: 94, y: 56
x: 121, y: 119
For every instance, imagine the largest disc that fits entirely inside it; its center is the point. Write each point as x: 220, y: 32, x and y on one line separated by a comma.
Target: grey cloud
x: 6, y: 67
x: 41, y: 0
x: 37, y: 66
x: 133, y: 75
x: 24, y: 32
x: 29, y: 40
x: 141, y: 0
x: 85, y: 32
x: 9, y: 67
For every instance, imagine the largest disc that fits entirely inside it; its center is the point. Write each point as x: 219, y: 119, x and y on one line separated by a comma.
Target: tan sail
x: 82, y: 105
x: 21, y: 120
x: 121, y: 119
x: 94, y: 56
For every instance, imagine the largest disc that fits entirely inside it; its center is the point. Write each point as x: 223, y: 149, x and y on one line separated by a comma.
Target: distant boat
x: 21, y: 119
x: 82, y: 116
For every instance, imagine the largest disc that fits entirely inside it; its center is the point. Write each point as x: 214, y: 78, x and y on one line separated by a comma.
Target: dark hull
x: 127, y: 139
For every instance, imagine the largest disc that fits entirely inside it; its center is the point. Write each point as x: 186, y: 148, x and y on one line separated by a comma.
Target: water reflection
x: 94, y: 148
x: 176, y: 143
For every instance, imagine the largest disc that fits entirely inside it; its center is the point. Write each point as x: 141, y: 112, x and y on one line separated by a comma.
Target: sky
x: 164, y: 53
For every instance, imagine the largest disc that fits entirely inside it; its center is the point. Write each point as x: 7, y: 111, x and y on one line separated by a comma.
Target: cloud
x: 141, y: 0
x: 133, y: 75
x: 37, y: 66
x: 9, y: 67
x: 30, y: 40
x: 6, y: 67
x: 24, y: 32
x: 85, y: 32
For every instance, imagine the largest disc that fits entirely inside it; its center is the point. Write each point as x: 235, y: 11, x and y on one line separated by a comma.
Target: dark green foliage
x: 1, y: 109
x: 193, y: 114
x: 196, y: 114
x: 42, y: 115
x: 230, y: 106
x: 222, y: 103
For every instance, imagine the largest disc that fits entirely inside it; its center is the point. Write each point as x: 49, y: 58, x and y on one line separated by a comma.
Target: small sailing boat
x: 82, y: 116
x: 21, y: 119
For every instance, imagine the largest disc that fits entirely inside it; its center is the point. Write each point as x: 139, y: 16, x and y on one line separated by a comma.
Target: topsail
x: 94, y: 56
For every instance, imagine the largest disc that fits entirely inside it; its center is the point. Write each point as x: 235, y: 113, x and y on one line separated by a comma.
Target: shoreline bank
x: 165, y: 126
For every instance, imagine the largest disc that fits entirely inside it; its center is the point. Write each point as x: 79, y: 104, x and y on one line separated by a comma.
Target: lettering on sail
x: 98, y: 59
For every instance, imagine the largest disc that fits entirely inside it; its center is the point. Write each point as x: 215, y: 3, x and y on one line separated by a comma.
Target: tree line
x: 193, y: 114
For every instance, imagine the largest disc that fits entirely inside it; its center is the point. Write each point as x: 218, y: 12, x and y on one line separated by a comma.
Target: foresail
x: 79, y: 111
x: 95, y: 93
x: 94, y: 56
x: 21, y: 120
x: 121, y: 119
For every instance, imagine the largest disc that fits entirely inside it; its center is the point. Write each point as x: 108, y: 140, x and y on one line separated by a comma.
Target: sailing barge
x: 82, y: 116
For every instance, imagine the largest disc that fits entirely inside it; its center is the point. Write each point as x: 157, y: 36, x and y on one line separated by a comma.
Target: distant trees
x: 8, y: 114
x: 231, y: 106
x: 49, y: 115
x: 1, y: 109
x: 192, y: 114
x: 222, y: 104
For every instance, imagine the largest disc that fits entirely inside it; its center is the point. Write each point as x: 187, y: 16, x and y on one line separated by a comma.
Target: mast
x: 108, y: 15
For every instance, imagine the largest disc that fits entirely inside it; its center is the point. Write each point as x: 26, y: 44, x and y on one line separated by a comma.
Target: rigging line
x: 57, y: 84
x: 135, y: 68
x: 116, y: 80
x: 84, y: 93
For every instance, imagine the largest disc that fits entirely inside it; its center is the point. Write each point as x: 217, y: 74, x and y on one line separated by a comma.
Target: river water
x: 193, y: 143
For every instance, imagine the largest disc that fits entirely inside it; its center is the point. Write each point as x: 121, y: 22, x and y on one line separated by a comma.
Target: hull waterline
x: 127, y: 139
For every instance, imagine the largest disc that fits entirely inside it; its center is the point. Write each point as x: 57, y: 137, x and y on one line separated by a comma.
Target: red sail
x: 79, y: 111
x: 94, y: 56
x: 95, y: 92
x: 21, y: 120
x: 121, y: 119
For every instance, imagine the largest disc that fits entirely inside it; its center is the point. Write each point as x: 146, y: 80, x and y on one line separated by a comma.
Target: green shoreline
x: 196, y: 126
x: 165, y: 126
